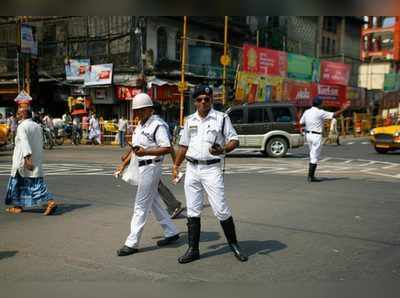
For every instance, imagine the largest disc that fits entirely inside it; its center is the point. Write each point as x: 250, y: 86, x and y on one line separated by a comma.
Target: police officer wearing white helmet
x: 150, y: 142
x: 313, y: 120
x: 206, y: 136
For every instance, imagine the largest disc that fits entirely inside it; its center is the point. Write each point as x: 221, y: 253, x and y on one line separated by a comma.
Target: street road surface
x: 345, y: 228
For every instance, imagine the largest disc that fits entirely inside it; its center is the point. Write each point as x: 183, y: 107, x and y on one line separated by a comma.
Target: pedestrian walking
x: 313, y: 120
x: 151, y: 142
x: 94, y: 130
x: 26, y: 186
x: 122, y: 126
x: 333, y: 134
x: 206, y: 136
x: 12, y: 123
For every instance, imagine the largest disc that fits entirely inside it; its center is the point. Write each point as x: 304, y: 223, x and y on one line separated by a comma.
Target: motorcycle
x: 48, y: 139
x: 76, y: 135
x: 62, y: 133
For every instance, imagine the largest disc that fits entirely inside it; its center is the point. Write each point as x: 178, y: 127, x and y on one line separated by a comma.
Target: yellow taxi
x: 4, y: 134
x: 386, y: 138
x: 110, y: 126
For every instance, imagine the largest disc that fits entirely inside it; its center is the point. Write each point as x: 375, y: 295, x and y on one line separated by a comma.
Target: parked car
x: 271, y: 128
x: 386, y: 138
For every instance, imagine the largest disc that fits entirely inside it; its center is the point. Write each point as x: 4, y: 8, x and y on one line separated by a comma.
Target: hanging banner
x: 332, y: 95
x: 357, y: 97
x: 126, y: 93
x: 253, y: 88
x: 299, y: 93
x: 303, y: 68
x: 29, y: 44
x: 76, y: 69
x: 100, y: 74
x: 165, y: 93
x: 335, y: 73
x: 264, y: 61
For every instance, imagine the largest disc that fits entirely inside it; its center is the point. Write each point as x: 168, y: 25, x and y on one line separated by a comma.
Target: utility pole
x: 182, y: 86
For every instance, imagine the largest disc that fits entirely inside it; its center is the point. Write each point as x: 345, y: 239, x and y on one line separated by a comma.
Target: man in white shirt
x: 26, y: 187
x: 206, y: 136
x: 313, y: 120
x: 122, y: 126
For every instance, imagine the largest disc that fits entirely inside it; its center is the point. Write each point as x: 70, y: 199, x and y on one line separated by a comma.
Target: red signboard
x: 126, y: 93
x: 168, y: 93
x: 332, y: 95
x: 335, y: 73
x: 299, y: 93
x: 264, y: 61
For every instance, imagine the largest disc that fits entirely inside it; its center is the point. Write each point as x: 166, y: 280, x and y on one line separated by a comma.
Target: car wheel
x: 276, y: 147
x: 381, y: 150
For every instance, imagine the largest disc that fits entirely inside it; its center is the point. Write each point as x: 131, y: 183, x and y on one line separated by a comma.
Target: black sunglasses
x: 206, y: 99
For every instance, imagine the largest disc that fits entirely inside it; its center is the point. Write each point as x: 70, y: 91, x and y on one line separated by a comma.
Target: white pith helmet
x: 141, y: 100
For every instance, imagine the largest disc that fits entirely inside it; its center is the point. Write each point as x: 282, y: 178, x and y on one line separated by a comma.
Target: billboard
x: 29, y: 44
x: 303, y: 68
x: 126, y: 93
x: 264, y: 61
x: 299, y: 93
x: 100, y: 74
x: 332, y: 95
x: 253, y: 88
x: 357, y: 97
x: 335, y: 73
x: 76, y: 69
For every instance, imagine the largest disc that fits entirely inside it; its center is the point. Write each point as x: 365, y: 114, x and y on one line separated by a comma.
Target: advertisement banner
x: 335, y: 73
x: 303, y: 68
x: 29, y: 44
x: 332, y: 95
x: 299, y: 93
x: 100, y: 74
x: 357, y: 97
x: 391, y: 82
x: 264, y: 61
x: 126, y: 93
x: 165, y: 93
x: 76, y: 69
x: 253, y: 88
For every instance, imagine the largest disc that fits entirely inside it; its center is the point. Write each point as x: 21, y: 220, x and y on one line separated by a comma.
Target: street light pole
x: 182, y: 84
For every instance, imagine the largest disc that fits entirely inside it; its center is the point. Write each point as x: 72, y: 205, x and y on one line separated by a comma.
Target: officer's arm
x: 345, y: 107
x: 156, y: 151
x: 180, y: 156
x: 231, y: 145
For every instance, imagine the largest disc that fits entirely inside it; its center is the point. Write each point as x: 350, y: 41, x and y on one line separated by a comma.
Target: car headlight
x: 397, y: 133
x: 372, y: 132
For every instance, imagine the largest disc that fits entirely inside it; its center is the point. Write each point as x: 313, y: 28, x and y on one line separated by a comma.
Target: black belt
x: 202, y: 162
x: 145, y: 162
x: 314, y: 132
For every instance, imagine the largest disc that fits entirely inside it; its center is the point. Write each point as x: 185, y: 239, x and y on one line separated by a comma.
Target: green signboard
x: 391, y: 82
x: 303, y: 68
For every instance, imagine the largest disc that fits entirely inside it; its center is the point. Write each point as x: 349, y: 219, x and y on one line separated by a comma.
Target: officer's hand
x: 175, y: 171
x: 140, y: 152
x: 216, y: 149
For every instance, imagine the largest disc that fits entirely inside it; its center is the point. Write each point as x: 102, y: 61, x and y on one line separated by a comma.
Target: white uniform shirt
x: 314, y: 118
x: 94, y: 125
x: 28, y: 140
x: 147, y: 136
x: 200, y: 134
x: 122, y: 124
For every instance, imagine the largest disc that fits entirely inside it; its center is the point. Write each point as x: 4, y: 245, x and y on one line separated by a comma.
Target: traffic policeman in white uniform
x: 206, y: 136
x: 313, y: 120
x: 150, y: 142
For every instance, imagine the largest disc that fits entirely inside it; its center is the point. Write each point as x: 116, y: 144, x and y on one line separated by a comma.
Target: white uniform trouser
x: 315, y: 143
x: 148, y: 199
x: 208, y: 179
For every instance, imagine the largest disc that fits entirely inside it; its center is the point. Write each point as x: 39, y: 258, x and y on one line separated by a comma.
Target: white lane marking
x: 349, y: 143
x: 365, y: 143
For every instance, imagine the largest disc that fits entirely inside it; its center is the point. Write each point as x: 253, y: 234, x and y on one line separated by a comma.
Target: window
x: 282, y: 115
x: 236, y: 116
x: 266, y: 116
x: 255, y: 115
x: 330, y: 24
x: 162, y: 43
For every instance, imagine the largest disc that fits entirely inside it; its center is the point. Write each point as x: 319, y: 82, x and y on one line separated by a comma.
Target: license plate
x: 382, y: 146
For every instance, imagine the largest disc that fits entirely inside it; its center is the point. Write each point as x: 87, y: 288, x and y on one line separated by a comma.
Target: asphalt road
x: 346, y: 228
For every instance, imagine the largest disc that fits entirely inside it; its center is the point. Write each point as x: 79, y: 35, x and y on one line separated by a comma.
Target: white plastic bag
x: 131, y: 172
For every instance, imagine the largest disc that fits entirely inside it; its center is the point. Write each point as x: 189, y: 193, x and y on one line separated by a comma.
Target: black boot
x: 311, y: 173
x: 192, y: 253
x: 229, y: 230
